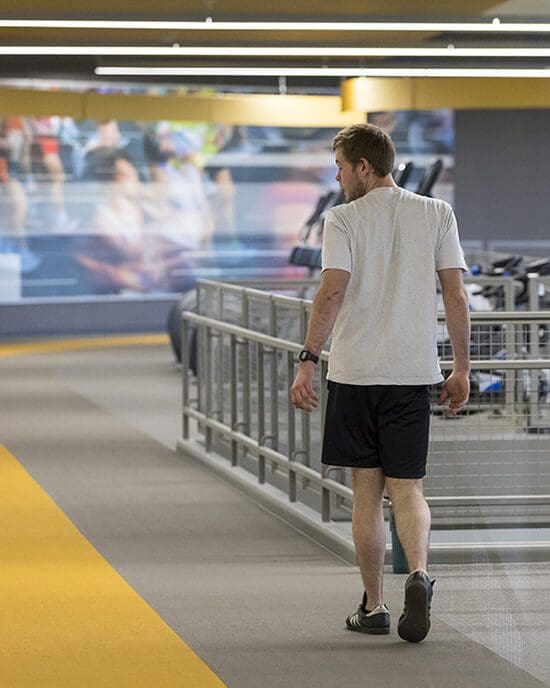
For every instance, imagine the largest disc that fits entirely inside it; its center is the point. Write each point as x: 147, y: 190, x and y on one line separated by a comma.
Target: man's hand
x: 302, y: 394
x: 456, y: 390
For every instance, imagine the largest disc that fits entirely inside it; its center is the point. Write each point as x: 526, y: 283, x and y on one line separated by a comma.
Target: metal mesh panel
x: 499, y: 447
x: 493, y: 341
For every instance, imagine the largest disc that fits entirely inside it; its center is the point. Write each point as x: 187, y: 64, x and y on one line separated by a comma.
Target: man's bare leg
x: 369, y: 533
x: 412, y: 519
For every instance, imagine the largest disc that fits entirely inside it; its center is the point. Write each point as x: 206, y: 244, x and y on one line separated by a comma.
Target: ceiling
x: 56, y: 68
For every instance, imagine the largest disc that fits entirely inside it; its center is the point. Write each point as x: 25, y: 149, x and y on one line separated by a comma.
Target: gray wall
x: 112, y: 315
x: 502, y: 174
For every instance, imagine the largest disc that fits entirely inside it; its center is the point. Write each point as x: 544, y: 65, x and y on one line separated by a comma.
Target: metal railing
x: 225, y: 392
x: 488, y: 468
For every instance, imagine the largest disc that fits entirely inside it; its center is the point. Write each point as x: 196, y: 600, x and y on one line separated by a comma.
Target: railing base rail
x: 329, y: 535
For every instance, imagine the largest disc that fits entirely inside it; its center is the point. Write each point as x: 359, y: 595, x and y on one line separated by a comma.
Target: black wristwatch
x: 306, y: 355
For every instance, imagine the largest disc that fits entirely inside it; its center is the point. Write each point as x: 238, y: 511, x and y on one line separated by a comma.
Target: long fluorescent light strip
x: 461, y: 27
x: 152, y: 51
x: 319, y: 71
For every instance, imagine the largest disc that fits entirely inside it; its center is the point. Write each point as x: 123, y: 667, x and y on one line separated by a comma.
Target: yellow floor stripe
x: 67, y: 619
x: 53, y: 346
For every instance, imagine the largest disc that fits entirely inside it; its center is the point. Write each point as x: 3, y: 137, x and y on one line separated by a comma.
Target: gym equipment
x: 306, y: 256
x: 324, y: 203
x: 402, y: 173
x: 540, y: 267
x: 429, y: 178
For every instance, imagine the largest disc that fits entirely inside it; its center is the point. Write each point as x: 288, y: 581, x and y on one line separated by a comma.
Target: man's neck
x: 380, y: 183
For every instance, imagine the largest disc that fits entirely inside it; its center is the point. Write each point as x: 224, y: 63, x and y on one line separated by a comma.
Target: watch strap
x: 306, y: 355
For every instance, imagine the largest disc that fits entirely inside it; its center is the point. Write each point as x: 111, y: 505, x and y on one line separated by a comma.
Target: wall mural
x: 144, y: 208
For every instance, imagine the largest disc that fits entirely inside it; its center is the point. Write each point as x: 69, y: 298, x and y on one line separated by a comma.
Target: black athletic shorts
x: 378, y: 426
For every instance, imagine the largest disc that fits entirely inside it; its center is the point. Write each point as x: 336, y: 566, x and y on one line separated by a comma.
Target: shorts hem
x: 386, y: 475
x: 347, y: 465
x: 405, y: 477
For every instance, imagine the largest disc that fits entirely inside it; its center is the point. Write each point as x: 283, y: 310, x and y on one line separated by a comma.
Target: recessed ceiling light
x: 319, y: 71
x: 461, y: 27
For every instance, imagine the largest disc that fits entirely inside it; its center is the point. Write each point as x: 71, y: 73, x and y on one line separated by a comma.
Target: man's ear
x: 364, y: 165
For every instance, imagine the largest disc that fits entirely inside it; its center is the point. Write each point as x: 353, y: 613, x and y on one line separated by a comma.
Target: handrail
x: 478, y: 317
x: 292, y: 347
x: 512, y: 317
x: 487, y: 280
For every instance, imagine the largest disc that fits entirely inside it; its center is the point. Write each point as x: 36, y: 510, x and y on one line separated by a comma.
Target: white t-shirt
x: 392, y: 242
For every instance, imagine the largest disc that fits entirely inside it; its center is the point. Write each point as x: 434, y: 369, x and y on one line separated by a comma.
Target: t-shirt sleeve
x: 449, y: 253
x: 336, y: 245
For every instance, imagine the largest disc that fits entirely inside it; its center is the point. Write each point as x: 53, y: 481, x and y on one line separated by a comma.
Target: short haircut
x: 366, y: 141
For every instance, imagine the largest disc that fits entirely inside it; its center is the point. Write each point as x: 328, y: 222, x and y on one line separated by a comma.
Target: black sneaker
x: 414, y: 623
x: 376, y: 621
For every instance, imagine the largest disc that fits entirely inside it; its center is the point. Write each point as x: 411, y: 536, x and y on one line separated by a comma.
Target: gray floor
x: 260, y: 603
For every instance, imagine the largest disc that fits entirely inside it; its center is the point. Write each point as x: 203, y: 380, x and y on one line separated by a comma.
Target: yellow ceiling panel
x: 482, y: 93
x: 367, y: 94
x: 375, y: 95
x: 14, y: 101
x: 260, y: 110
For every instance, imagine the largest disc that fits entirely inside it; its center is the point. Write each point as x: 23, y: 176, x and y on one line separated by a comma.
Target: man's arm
x: 457, y: 316
x: 326, y: 305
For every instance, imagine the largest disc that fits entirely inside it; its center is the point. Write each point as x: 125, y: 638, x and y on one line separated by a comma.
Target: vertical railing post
x: 234, y: 399
x: 534, y: 284
x: 274, y: 402
x: 220, y: 371
x: 208, y: 383
x: 292, y: 491
x: 325, y: 493
x: 534, y: 352
x: 303, y: 320
x: 305, y: 416
x: 198, y: 289
x: 201, y: 354
x: 325, y: 499
x: 509, y: 295
x: 510, y: 343
x: 261, y: 411
x: 185, y: 375
x: 306, y: 444
x: 246, y: 365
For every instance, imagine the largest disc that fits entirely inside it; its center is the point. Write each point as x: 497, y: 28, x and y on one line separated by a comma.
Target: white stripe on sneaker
x: 381, y: 609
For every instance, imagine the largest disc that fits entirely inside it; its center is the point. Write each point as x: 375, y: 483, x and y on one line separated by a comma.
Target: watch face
x: 303, y: 355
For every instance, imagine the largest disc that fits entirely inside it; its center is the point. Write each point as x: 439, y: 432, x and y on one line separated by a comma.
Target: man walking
x: 381, y: 253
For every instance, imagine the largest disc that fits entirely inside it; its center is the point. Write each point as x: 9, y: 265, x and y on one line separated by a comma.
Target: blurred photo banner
x: 131, y: 208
